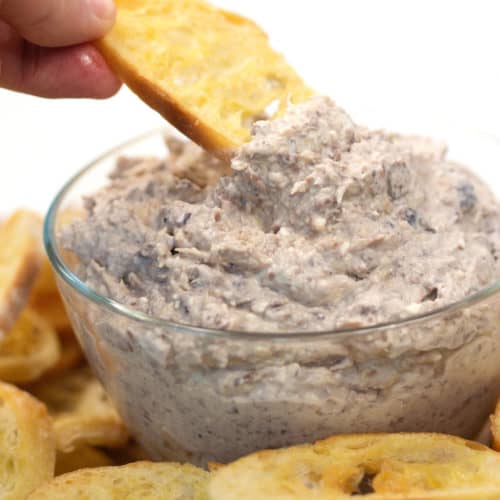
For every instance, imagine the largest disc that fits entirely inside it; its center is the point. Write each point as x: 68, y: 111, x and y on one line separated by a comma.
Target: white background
x: 389, y: 62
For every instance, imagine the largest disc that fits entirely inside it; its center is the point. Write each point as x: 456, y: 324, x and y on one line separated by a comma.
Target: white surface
x: 417, y: 62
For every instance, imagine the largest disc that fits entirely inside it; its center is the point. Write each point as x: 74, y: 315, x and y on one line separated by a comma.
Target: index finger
x: 58, y: 23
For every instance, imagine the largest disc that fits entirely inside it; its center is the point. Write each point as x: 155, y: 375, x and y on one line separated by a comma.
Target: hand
x: 44, y: 47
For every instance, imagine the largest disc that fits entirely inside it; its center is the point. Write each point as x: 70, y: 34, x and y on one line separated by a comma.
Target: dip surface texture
x: 324, y: 224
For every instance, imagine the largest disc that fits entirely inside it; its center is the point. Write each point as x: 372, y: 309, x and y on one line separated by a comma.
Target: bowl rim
x: 63, y: 271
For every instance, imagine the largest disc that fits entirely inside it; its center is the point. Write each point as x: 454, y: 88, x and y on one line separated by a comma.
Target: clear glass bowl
x: 193, y: 394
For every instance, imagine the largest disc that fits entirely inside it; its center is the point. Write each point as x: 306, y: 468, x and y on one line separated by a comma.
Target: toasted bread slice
x: 82, y: 412
x: 159, y: 481
x: 495, y: 427
x: 21, y: 256
x: 45, y: 283
x: 84, y: 457
x: 378, y: 466
x: 51, y: 307
x: 27, y: 443
x: 209, y: 72
x: 29, y: 349
x: 71, y: 357
x: 45, y: 299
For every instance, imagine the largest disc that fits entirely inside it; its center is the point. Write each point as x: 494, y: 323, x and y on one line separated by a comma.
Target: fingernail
x: 105, y: 9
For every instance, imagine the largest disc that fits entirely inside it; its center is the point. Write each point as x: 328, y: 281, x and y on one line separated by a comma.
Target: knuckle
x: 35, y: 20
x: 39, y: 25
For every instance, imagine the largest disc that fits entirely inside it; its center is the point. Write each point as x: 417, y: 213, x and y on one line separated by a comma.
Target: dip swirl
x: 322, y: 225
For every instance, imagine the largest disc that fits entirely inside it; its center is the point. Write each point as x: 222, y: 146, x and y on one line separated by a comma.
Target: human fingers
x: 77, y: 71
x: 58, y: 23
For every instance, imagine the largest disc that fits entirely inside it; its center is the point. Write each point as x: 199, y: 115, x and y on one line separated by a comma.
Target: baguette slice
x: 45, y: 299
x: 82, y: 412
x: 30, y: 349
x: 52, y: 309
x: 84, y: 457
x: 147, y: 480
x: 374, y: 466
x: 71, y: 357
x: 21, y: 257
x: 27, y: 443
x: 45, y: 284
x: 209, y: 72
x: 495, y: 427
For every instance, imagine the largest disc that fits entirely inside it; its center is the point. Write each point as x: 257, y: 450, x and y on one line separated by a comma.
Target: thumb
x: 58, y: 23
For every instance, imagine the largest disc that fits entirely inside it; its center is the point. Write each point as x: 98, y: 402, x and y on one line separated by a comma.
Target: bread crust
x: 213, y: 92
x: 32, y: 452
x: 387, y: 466
x: 29, y: 349
x: 172, y: 110
x: 21, y: 256
x: 82, y: 413
x: 162, y: 481
x: 84, y: 457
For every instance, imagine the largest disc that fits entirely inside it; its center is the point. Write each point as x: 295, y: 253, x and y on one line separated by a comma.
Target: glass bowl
x: 198, y: 395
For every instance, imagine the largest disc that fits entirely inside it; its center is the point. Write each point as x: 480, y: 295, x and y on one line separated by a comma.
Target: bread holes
x: 312, y: 480
x: 272, y: 108
x: 274, y: 82
x: 365, y: 486
x: 398, y: 466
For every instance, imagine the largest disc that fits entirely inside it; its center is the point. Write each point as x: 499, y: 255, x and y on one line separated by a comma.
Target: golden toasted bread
x: 45, y: 299
x: 213, y: 466
x: 82, y: 412
x: 377, y: 466
x: 21, y: 256
x: 45, y: 283
x: 142, y: 480
x: 84, y: 457
x: 71, y: 356
x: 209, y: 72
x: 29, y: 349
x: 27, y: 443
x: 495, y: 427
x: 51, y: 307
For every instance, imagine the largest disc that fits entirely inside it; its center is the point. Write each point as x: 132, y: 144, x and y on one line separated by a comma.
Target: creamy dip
x: 323, y: 225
